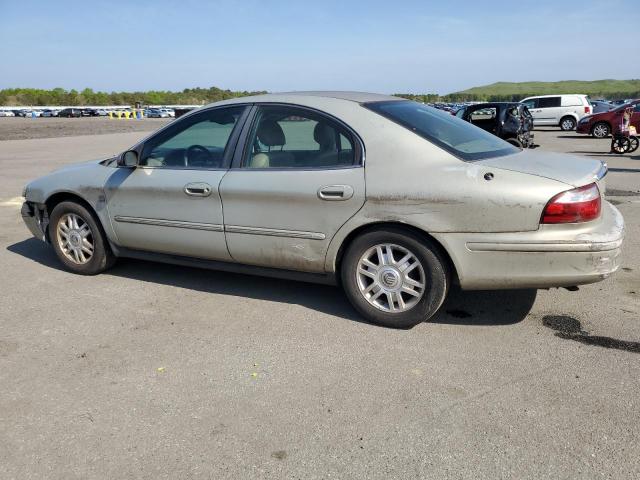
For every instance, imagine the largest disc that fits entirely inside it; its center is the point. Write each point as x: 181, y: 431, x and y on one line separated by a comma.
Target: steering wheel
x: 197, y: 155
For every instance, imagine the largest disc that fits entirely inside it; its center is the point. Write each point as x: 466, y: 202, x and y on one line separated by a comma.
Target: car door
x: 635, y: 117
x: 536, y: 113
x: 549, y: 111
x: 297, y: 180
x: 170, y: 203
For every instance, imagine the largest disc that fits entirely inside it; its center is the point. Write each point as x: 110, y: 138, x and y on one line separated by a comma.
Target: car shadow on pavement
x: 461, y: 308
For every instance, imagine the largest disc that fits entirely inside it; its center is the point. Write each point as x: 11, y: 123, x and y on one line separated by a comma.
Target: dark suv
x: 70, y: 112
x: 508, y: 120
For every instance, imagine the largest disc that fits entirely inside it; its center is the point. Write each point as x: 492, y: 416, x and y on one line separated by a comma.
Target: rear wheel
x: 567, y: 123
x: 78, y: 240
x: 515, y: 142
x: 633, y: 144
x: 394, y: 277
x: 600, y: 130
x: 620, y: 145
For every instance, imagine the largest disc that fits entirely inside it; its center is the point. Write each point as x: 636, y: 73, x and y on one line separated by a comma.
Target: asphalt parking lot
x: 157, y: 371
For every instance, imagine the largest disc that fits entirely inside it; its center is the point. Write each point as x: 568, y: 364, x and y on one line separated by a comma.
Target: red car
x: 600, y: 124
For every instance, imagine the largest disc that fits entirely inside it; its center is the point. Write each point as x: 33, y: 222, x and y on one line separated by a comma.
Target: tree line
x: 201, y: 96
x: 60, y: 96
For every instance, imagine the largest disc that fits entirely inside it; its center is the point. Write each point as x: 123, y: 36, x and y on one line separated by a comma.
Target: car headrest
x: 325, y: 136
x: 270, y: 133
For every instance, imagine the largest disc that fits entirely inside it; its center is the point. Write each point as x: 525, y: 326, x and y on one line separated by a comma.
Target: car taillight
x: 573, y: 206
x: 587, y: 110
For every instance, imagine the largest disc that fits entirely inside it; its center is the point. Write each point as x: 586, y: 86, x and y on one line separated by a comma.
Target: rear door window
x: 291, y: 137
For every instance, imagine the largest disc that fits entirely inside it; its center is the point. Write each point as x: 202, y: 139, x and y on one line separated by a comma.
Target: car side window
x: 530, y: 103
x: 548, y: 102
x: 291, y: 137
x: 196, y: 141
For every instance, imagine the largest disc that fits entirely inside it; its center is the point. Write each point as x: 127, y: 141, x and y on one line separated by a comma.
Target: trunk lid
x: 570, y: 169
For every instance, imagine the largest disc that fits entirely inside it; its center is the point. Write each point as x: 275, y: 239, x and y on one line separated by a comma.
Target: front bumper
x: 553, y: 256
x: 36, y: 219
x: 583, y: 128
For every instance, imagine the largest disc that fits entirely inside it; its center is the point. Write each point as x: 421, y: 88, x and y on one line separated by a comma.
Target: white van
x: 564, y: 111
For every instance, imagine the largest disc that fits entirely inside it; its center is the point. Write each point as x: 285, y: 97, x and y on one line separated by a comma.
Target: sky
x: 367, y: 45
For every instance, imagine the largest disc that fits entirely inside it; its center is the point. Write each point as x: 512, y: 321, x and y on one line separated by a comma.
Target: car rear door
x: 297, y: 180
x: 170, y: 203
x: 549, y: 111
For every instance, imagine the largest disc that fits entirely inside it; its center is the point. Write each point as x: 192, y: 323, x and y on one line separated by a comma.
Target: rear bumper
x: 553, y: 256
x: 35, y: 219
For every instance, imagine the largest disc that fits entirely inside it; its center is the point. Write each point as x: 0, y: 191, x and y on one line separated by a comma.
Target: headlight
x: 585, y: 120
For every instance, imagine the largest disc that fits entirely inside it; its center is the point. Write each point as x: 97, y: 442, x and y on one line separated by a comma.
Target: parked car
x: 601, y: 106
x: 275, y: 185
x: 70, y: 112
x: 170, y: 112
x: 6, y: 113
x: 507, y: 120
x: 600, y: 125
x: 49, y: 113
x: 564, y: 111
x: 100, y: 112
x: 157, y: 113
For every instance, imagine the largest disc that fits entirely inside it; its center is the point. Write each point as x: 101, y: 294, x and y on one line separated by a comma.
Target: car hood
x: 570, y: 169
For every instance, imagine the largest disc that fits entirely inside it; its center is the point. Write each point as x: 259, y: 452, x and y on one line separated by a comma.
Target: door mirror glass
x: 130, y: 159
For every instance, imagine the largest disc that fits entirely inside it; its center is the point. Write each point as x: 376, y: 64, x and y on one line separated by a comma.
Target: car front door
x: 298, y: 179
x: 170, y: 203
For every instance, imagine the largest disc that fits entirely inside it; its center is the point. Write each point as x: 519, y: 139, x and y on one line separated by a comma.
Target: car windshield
x: 454, y: 135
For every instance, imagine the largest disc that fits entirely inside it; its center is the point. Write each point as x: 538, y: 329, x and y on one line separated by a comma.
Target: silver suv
x: 564, y: 111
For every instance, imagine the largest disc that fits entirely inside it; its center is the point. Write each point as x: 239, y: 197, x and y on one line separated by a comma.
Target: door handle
x: 197, y: 189
x: 335, y: 192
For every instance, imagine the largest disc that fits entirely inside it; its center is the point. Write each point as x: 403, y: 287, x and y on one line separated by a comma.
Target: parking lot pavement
x: 156, y: 371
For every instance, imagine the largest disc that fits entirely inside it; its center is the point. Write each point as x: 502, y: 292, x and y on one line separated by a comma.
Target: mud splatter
x: 570, y: 328
x: 279, y: 454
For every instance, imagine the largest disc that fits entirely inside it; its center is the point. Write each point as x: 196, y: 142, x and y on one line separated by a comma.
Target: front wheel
x: 78, y: 240
x: 567, y: 124
x: 515, y: 142
x: 600, y: 130
x: 633, y: 144
x: 394, y: 277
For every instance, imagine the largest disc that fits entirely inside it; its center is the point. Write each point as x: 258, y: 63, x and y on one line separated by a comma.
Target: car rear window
x: 452, y: 134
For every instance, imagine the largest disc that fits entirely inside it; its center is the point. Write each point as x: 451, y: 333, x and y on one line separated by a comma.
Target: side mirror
x: 129, y: 159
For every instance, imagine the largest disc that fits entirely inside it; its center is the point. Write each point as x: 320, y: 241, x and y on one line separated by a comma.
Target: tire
x: 380, y: 295
x: 601, y: 130
x: 633, y: 144
x: 515, y: 142
x: 72, y: 247
x: 567, y: 123
x: 620, y: 145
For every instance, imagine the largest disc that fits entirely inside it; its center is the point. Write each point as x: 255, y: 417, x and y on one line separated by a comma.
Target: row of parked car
x: 86, y: 112
x: 514, y: 121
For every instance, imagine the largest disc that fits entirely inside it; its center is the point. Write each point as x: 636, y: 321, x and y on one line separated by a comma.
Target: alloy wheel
x: 75, y: 238
x: 391, y: 278
x: 600, y: 130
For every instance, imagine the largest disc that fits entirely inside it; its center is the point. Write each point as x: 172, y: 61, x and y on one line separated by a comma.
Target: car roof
x: 560, y: 95
x: 493, y: 104
x: 295, y: 97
